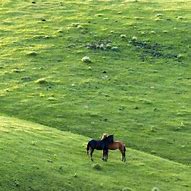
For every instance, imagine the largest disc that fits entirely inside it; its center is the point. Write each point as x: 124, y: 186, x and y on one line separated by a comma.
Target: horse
x: 116, y: 145
x: 99, y: 145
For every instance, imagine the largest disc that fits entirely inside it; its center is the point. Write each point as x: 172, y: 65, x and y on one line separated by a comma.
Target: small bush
x: 17, y: 183
x: 115, y: 48
x: 123, y: 36
x: 180, y: 56
x: 97, y: 166
x: 180, y: 17
x: 33, y: 53
x: 134, y: 38
x: 152, y: 32
x: 103, y: 45
x: 153, y: 152
x: 41, y: 81
x: 108, y: 46
x: 142, y: 32
x: 75, y: 175
x: 80, y: 27
x: 33, y: 143
x: 16, y: 70
x: 61, y: 169
x: 158, y: 15
x: 86, y: 59
x: 99, y: 15
x: 50, y: 161
x: 155, y: 189
x: 26, y: 78
x: 158, y: 19
x: 126, y: 189
x: 51, y: 99
x: 153, y: 129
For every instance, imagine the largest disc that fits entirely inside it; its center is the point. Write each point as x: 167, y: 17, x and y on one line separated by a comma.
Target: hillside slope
x: 37, y: 157
x: 137, y: 86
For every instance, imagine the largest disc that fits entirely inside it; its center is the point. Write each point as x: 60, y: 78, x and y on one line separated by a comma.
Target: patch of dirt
x: 155, y: 50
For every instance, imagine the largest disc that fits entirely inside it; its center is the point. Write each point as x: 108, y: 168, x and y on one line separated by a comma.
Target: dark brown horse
x: 116, y: 145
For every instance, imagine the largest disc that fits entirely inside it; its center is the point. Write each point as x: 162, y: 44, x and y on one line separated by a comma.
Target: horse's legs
x: 105, y: 155
x: 91, y: 153
x: 124, y: 153
x: 124, y: 158
x: 122, y: 149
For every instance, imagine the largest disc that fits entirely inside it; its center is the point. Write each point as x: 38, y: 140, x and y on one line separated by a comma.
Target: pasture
x: 36, y: 157
x: 72, y: 70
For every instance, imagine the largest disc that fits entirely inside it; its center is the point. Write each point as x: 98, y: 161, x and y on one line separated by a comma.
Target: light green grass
x: 139, y: 92
x: 37, y: 157
x: 142, y: 99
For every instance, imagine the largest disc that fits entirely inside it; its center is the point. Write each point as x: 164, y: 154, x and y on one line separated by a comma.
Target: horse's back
x: 116, y: 145
x: 93, y: 143
x: 98, y: 145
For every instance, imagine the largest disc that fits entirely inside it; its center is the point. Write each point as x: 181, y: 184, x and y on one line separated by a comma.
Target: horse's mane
x: 104, y: 136
x: 108, y: 138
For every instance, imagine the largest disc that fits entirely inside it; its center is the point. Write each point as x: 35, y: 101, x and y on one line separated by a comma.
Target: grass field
x: 136, y: 86
x: 37, y: 157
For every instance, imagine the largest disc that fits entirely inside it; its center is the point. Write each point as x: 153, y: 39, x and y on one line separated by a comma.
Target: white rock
x: 86, y: 59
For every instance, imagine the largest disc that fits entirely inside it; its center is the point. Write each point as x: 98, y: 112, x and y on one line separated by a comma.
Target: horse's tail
x: 88, y: 148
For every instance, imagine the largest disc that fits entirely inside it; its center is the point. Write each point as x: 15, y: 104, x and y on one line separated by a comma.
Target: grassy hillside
x: 135, y: 86
x: 37, y: 157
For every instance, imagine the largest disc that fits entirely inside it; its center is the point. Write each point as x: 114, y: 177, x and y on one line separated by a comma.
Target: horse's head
x: 110, y: 139
x: 107, y: 138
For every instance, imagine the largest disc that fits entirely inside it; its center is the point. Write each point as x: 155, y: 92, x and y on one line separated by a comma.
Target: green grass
x: 37, y: 157
x: 139, y: 92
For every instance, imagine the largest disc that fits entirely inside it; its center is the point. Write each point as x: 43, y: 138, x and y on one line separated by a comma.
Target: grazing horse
x: 100, y: 145
x: 116, y: 145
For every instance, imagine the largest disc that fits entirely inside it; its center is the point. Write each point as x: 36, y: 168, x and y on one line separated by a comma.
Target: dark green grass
x: 37, y: 157
x: 140, y: 94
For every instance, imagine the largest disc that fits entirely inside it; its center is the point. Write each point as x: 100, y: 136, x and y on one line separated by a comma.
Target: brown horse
x: 116, y: 145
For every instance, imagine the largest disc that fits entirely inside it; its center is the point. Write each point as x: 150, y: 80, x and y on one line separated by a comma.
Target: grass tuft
x: 33, y: 53
x: 126, y: 189
x: 86, y: 59
x: 155, y: 189
x: 42, y: 81
x: 97, y: 166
